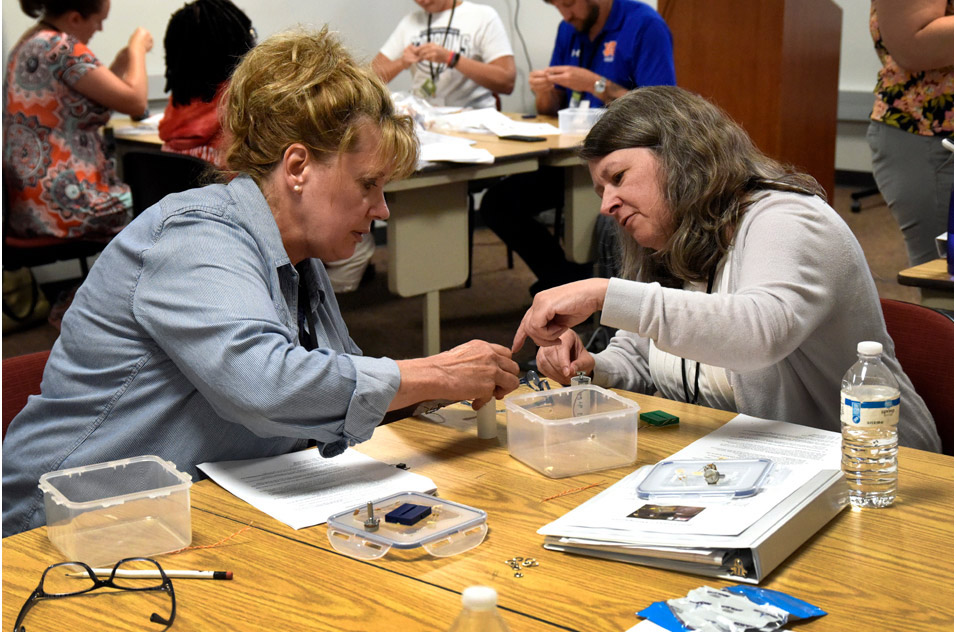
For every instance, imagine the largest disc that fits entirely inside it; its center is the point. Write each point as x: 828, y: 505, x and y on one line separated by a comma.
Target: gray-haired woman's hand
x: 560, y: 362
x: 555, y: 311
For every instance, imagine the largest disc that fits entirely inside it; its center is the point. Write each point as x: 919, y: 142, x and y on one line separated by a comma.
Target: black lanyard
x: 431, y: 68
x: 597, y: 44
x: 307, y: 334
x: 683, y: 363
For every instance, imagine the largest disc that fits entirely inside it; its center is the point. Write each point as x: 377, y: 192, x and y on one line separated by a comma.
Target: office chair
x: 923, y: 338
x: 21, y: 378
x: 856, y: 196
x: 152, y: 175
x: 29, y: 252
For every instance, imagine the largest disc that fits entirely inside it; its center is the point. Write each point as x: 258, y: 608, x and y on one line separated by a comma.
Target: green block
x: 659, y: 418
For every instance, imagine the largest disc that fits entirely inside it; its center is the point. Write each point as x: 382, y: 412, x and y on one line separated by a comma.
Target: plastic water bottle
x: 479, y: 611
x: 869, y: 414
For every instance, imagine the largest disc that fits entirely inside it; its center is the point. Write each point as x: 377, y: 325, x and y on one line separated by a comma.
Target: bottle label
x: 886, y: 412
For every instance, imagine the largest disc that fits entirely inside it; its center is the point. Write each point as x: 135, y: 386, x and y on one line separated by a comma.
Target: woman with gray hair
x: 208, y: 329
x: 740, y: 288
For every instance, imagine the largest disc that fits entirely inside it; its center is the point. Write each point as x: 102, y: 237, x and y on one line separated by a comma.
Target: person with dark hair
x: 739, y: 289
x: 603, y: 49
x: 208, y: 330
x: 204, y: 41
x: 57, y: 96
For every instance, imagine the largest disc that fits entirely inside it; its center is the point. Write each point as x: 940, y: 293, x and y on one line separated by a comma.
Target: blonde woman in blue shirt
x: 208, y: 329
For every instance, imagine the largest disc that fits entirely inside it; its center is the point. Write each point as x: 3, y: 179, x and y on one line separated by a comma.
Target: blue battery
x: 408, y: 514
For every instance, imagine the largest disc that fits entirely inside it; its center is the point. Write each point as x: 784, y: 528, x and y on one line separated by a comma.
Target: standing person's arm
x: 917, y: 33
x: 126, y: 93
x: 387, y: 69
x: 399, y: 51
x: 497, y: 75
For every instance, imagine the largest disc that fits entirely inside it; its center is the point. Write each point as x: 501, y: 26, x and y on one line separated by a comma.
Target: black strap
x: 683, y: 362
x: 431, y: 68
x: 307, y: 336
x: 597, y: 44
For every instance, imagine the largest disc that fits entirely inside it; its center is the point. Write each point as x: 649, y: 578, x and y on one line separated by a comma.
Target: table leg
x: 431, y: 314
x: 581, y: 209
x: 428, y: 247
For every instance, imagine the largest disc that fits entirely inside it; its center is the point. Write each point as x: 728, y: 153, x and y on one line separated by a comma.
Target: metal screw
x: 519, y: 574
x: 371, y: 523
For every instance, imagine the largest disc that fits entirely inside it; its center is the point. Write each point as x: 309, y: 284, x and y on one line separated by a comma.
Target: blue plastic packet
x: 796, y: 608
x: 661, y: 613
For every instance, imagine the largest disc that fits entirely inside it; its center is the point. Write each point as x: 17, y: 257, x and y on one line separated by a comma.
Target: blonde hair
x: 710, y: 173
x: 303, y: 87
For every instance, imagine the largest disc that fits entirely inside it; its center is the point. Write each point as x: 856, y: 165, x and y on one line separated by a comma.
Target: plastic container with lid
x: 690, y: 479
x: 448, y: 528
x: 572, y: 430
x: 578, y: 120
x: 102, y: 513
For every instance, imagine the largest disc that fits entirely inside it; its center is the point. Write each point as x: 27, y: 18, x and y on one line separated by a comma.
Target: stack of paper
x: 742, y: 538
x: 302, y: 489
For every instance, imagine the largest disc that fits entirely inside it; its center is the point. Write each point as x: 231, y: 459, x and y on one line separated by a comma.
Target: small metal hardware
x: 711, y: 475
x: 371, y: 523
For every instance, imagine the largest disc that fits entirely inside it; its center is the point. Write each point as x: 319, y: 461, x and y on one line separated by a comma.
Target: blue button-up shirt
x: 634, y: 49
x: 183, y: 342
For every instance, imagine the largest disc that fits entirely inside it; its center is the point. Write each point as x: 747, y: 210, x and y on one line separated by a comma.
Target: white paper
x: 485, y: 120
x: 302, y: 489
x: 798, y: 452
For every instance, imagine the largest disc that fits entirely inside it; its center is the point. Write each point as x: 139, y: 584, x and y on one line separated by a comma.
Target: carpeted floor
x: 387, y: 325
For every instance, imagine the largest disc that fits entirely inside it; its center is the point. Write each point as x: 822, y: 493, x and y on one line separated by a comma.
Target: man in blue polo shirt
x: 604, y: 48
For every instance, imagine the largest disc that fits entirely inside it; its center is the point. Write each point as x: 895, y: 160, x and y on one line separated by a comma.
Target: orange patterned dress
x: 58, y: 177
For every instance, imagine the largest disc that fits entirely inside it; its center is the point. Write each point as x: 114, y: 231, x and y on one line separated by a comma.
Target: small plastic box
x: 448, y: 529
x: 578, y: 120
x: 685, y: 479
x: 102, y: 513
x: 572, y: 430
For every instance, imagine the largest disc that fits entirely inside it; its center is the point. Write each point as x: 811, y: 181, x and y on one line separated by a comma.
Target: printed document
x: 799, y: 454
x: 302, y: 489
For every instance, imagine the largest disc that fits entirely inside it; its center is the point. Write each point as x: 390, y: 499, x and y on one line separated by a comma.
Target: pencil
x: 148, y: 574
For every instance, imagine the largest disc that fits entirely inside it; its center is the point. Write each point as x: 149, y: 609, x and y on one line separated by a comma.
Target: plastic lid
x: 689, y: 479
x: 870, y: 348
x: 479, y: 598
x: 448, y: 528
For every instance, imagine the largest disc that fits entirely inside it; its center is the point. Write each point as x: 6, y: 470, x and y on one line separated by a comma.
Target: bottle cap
x: 870, y: 348
x: 479, y: 598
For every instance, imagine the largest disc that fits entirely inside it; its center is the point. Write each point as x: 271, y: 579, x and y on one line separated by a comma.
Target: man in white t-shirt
x: 458, y: 53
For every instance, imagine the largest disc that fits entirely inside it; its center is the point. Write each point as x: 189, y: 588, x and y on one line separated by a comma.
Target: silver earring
x: 297, y: 188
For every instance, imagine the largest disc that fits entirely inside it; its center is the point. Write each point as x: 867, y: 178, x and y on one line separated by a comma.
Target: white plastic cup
x: 487, y: 421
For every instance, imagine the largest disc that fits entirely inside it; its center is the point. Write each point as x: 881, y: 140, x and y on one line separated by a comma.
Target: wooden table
x: 427, y: 232
x: 870, y: 570
x: 933, y: 279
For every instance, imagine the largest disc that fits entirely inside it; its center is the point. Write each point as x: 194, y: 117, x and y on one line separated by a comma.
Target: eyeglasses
x: 534, y: 381
x: 68, y: 579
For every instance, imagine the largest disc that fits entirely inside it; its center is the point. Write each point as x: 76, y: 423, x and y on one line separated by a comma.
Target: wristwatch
x: 599, y: 86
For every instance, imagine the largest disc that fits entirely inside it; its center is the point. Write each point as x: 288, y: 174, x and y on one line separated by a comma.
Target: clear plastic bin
x: 578, y: 120
x: 572, y: 430
x: 102, y: 513
x: 449, y: 529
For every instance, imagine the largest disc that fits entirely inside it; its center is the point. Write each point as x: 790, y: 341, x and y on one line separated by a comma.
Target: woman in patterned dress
x: 57, y: 96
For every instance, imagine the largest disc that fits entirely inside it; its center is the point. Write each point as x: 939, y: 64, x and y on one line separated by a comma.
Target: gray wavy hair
x: 710, y: 174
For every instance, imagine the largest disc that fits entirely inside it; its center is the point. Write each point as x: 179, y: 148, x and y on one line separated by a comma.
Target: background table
x: 871, y: 570
x: 427, y: 231
x: 933, y: 279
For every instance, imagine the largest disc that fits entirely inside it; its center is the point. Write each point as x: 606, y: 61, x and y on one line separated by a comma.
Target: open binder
x: 749, y: 554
